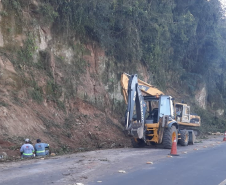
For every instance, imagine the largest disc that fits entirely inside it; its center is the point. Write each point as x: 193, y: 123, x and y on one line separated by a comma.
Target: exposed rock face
x: 6, y: 66
x: 201, y: 96
x: 1, y: 40
x: 76, y: 85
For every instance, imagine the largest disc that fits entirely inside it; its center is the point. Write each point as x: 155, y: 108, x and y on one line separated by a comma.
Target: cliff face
x: 64, y: 92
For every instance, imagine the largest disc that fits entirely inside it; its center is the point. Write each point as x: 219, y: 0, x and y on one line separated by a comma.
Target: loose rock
x: 149, y: 162
x: 66, y: 173
x: 3, y: 155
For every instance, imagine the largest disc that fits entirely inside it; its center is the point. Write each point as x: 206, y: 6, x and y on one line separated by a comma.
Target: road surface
x: 203, y: 166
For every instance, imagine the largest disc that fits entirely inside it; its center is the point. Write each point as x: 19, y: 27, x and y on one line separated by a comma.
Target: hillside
x: 61, y: 62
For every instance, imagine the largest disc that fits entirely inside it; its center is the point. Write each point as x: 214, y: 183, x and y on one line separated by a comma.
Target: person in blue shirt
x: 40, y: 148
x: 27, y: 150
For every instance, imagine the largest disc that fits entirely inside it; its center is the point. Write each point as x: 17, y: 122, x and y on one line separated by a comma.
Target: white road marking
x: 223, y: 182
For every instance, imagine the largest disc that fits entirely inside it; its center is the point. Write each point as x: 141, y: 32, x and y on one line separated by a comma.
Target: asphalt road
x: 201, y: 167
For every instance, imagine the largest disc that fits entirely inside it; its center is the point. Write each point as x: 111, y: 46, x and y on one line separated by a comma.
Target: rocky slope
x: 58, y: 88
x: 67, y: 94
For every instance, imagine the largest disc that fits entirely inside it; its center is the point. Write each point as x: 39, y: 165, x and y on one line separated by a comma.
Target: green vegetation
x: 53, y: 89
x: 210, y: 121
x: 36, y: 95
x: 165, y: 35
x: 179, y: 44
x: 48, y: 13
x: 182, y: 44
x: 53, y: 93
x: 12, y: 4
x: 3, y: 13
x: 2, y: 103
x: 79, y: 64
x: 25, y: 54
x: 36, y: 92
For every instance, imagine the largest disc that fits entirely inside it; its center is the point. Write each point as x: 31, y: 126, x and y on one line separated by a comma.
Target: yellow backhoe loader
x: 154, y: 118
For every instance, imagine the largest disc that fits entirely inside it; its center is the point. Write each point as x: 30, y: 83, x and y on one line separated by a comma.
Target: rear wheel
x: 137, y: 143
x: 184, y: 137
x: 168, y: 137
x: 192, y: 138
x: 196, y: 132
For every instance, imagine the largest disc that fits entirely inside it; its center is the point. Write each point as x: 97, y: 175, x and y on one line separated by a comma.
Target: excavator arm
x: 146, y: 88
x: 136, y: 103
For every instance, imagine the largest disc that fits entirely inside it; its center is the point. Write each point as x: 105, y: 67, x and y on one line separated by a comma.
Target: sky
x: 223, y: 2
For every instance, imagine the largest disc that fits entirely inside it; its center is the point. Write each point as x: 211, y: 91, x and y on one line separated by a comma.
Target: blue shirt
x: 27, y: 149
x: 40, y: 148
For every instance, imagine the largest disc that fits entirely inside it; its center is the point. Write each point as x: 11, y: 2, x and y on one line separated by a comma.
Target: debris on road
x: 217, y: 133
x: 122, y: 171
x: 3, y: 155
x: 103, y: 159
x: 66, y: 173
x: 149, y: 162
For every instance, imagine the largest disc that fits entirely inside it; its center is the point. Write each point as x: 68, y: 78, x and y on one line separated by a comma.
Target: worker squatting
x: 27, y: 150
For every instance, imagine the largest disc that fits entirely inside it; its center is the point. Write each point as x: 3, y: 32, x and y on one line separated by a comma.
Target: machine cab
x: 158, y: 107
x: 182, y: 112
x: 166, y: 106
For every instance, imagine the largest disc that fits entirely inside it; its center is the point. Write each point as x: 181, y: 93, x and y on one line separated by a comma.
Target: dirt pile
x: 85, y: 128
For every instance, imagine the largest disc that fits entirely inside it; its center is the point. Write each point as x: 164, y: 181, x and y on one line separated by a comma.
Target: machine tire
x: 137, y: 143
x: 184, y: 137
x: 196, y: 132
x: 167, y: 140
x: 192, y: 139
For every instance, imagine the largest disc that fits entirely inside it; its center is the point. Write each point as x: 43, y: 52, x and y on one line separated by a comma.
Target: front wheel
x: 191, y: 138
x: 137, y: 143
x: 168, y: 137
x: 184, y: 137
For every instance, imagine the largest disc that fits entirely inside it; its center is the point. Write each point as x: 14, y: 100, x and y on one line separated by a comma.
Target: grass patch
x: 3, y: 104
